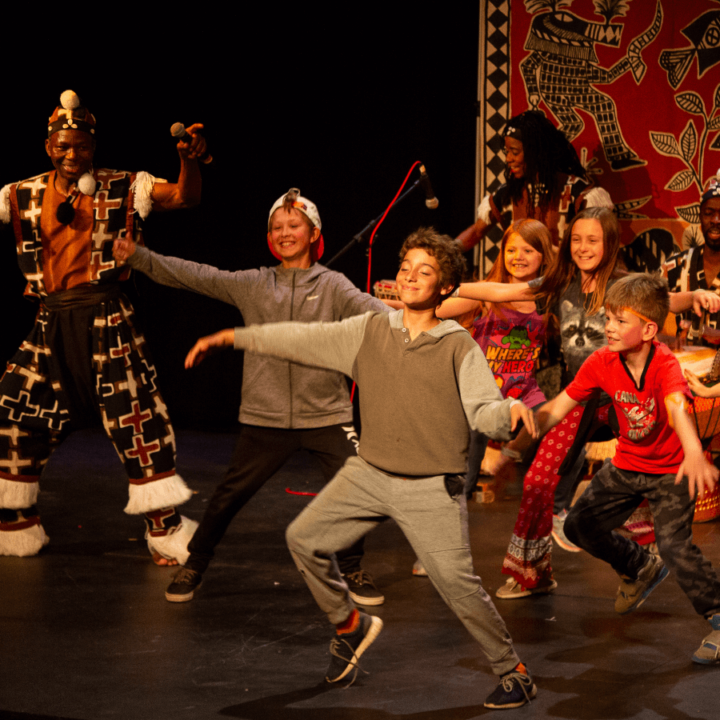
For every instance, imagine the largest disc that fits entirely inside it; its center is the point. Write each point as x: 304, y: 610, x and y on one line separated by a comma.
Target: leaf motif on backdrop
x: 665, y: 144
x: 680, y: 181
x: 689, y: 213
x: 688, y: 141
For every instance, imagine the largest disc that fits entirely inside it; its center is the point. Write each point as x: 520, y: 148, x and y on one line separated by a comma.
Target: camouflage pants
x: 611, y: 498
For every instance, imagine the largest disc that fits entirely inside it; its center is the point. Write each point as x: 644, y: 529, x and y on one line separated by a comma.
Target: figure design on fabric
x: 562, y: 71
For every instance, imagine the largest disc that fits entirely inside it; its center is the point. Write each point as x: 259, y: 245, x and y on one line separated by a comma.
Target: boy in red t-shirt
x: 658, y: 457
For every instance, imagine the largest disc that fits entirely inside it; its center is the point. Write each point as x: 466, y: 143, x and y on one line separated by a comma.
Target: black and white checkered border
x: 494, y: 107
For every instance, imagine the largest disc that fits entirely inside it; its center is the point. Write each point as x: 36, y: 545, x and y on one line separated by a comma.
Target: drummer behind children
x: 658, y: 456
x: 698, y: 268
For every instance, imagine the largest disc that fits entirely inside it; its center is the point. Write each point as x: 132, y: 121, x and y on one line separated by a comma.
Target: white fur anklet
x: 174, y: 546
x: 15, y: 494
x: 23, y: 543
x: 165, y: 492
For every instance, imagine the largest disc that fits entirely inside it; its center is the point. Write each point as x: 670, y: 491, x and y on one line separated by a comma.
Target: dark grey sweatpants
x: 358, y: 499
x: 609, y: 501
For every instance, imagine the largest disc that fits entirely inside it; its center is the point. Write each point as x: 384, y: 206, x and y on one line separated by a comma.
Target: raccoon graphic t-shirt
x: 580, y: 334
x: 647, y: 443
x: 511, y: 342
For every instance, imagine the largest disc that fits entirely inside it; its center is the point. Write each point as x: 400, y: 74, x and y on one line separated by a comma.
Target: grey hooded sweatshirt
x: 275, y: 393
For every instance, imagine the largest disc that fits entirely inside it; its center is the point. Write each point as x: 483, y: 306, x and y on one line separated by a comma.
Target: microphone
x: 179, y: 133
x: 431, y: 202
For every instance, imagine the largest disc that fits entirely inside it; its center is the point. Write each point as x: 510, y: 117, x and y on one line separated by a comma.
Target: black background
x: 339, y: 103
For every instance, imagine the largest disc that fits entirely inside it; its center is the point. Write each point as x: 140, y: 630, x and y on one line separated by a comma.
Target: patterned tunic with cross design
x: 38, y: 398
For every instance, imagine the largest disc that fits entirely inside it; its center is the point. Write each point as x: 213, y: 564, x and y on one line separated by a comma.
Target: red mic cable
x: 375, y: 229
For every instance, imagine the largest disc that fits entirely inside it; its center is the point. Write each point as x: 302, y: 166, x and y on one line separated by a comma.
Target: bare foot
x: 158, y: 559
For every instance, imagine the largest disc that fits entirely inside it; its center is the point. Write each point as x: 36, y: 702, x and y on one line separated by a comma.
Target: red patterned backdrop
x: 635, y: 84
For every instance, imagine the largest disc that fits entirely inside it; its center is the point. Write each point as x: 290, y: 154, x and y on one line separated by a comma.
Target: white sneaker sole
x: 366, y: 600
x: 376, y: 625
x: 187, y: 597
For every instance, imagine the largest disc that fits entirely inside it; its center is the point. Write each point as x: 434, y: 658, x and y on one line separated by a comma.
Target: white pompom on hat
x: 69, y: 100
x: 71, y: 115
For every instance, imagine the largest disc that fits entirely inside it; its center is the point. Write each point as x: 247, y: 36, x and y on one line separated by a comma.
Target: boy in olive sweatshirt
x: 422, y: 382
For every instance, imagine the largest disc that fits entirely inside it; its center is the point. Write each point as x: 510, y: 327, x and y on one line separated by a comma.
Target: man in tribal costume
x: 84, y: 363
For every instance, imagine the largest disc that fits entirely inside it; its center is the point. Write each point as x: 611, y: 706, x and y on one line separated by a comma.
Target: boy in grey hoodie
x: 293, y: 406
x: 422, y: 381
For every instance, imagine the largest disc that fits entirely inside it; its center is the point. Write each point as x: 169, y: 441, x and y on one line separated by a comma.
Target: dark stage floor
x: 86, y: 633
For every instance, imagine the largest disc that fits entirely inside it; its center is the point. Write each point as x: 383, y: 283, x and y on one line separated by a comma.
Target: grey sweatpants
x: 358, y: 499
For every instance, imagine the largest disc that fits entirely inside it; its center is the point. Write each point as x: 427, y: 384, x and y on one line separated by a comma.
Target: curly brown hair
x: 444, y: 249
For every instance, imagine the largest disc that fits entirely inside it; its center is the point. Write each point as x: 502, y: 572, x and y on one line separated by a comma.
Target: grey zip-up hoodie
x: 275, y: 393
x: 417, y: 397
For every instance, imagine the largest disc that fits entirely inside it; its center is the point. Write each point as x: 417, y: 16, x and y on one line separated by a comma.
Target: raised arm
x: 186, y: 191
x: 471, y: 236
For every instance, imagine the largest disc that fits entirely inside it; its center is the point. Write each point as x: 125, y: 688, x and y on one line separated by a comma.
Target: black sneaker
x: 515, y: 690
x: 362, y: 589
x: 185, y: 583
x: 347, y: 648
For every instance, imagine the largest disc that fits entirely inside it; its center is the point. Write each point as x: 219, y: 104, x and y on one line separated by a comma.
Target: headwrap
x: 513, y: 132
x: 307, y: 208
x: 70, y: 115
x: 713, y: 190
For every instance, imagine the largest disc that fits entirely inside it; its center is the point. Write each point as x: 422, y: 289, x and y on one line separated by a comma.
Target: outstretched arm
x: 698, y: 388
x: 208, y: 345
x: 485, y: 408
x: 232, y: 287
x: 701, y: 475
x: 186, y: 191
x: 496, y: 292
x: 333, y: 346
x: 454, y: 307
x: 549, y: 415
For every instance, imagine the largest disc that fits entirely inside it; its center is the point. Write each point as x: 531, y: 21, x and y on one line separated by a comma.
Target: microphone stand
x: 359, y: 237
